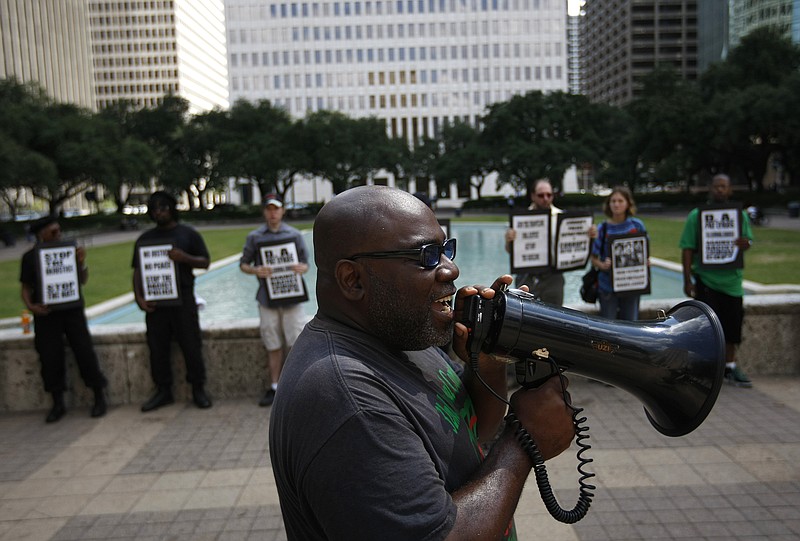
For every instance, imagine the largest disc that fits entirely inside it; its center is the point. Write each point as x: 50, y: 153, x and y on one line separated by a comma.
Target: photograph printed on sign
x: 573, y: 245
x: 719, y: 227
x: 59, y: 281
x: 159, y: 274
x: 284, y: 285
x: 530, y: 250
x: 630, y: 273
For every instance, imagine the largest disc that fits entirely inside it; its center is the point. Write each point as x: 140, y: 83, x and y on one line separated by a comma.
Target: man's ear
x: 349, y: 279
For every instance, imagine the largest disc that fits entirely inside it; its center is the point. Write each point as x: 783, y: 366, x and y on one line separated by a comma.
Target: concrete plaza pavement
x: 180, y: 473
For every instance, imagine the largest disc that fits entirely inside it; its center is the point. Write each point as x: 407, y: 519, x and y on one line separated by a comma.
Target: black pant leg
x: 77, y: 331
x: 159, y: 334
x: 49, y: 345
x: 190, y: 340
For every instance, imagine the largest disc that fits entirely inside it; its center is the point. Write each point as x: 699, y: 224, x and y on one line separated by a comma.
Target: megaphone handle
x: 540, y: 470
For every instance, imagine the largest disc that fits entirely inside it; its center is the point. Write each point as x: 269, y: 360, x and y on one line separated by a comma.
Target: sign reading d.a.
x: 284, y: 286
x: 720, y: 226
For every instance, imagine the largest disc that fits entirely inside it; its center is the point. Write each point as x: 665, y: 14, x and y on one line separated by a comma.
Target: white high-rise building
x: 780, y: 15
x: 48, y: 42
x: 143, y: 50
x: 414, y: 63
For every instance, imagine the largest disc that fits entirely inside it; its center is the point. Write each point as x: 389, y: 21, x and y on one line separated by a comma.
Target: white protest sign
x: 58, y: 274
x: 629, y: 271
x: 158, y: 272
x: 573, y: 244
x: 284, y: 283
x: 719, y: 229
x: 531, y: 247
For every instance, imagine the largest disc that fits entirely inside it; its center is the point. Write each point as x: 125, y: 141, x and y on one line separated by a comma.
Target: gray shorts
x: 281, y: 326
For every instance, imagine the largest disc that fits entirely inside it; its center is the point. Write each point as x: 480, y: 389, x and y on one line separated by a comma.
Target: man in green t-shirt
x: 720, y: 288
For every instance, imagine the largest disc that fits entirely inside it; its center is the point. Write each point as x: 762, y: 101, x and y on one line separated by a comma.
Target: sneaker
x: 267, y: 399
x: 737, y: 378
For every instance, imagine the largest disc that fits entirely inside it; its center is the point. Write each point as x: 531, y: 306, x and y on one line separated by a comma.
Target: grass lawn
x: 110, y: 270
x: 773, y: 259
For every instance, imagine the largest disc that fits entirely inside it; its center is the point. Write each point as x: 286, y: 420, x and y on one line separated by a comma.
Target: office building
x: 712, y: 33
x: 143, y: 50
x: 48, y: 42
x: 780, y: 15
x: 624, y: 40
x: 417, y: 64
x: 574, y: 71
x: 414, y: 63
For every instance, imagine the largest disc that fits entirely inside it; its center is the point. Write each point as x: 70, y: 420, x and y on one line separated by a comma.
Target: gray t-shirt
x: 369, y: 443
x: 263, y: 235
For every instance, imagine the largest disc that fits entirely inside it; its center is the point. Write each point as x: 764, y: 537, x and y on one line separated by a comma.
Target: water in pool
x: 230, y: 294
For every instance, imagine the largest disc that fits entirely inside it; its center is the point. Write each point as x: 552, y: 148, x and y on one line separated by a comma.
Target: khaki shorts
x: 281, y: 326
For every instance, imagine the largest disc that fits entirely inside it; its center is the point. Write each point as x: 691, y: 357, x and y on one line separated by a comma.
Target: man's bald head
x: 361, y: 220
x: 362, y: 281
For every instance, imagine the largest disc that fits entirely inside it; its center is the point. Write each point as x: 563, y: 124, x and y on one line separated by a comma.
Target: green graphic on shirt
x: 447, y: 407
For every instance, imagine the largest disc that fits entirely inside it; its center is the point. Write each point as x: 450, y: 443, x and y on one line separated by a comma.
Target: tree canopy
x: 742, y: 116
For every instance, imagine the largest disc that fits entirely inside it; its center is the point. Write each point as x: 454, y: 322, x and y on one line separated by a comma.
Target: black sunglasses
x: 429, y: 254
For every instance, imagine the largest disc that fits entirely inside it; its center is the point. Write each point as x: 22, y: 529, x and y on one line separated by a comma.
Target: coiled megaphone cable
x: 540, y: 470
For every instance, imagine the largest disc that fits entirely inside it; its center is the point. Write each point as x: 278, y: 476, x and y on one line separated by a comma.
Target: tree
x: 343, y: 150
x: 202, y: 151
x: 750, y: 103
x: 539, y: 136
x: 162, y: 127
x: 22, y: 117
x: 261, y: 143
x: 72, y: 141
x: 464, y: 160
x: 20, y: 167
x: 420, y: 161
x: 404, y: 159
x: 668, y: 136
x: 129, y: 160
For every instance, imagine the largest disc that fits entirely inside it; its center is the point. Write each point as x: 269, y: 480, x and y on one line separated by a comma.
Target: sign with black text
x: 719, y: 227
x: 630, y: 273
x: 59, y: 282
x: 159, y: 274
x: 573, y: 244
x: 530, y: 250
x: 284, y: 285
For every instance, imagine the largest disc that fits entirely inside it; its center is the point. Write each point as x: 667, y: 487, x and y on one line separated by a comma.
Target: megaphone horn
x: 673, y: 364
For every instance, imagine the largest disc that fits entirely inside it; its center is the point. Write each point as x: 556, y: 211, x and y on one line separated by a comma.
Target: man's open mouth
x: 445, y: 304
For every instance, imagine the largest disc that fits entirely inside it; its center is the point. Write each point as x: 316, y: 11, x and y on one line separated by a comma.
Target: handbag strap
x: 601, y: 231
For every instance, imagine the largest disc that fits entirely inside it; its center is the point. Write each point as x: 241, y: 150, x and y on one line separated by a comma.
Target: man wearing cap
x: 280, y: 325
x: 51, y: 325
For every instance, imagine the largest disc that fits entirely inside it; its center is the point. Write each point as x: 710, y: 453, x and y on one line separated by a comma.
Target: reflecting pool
x: 229, y: 294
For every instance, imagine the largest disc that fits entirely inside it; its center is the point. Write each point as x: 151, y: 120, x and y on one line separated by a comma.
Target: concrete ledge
x: 236, y: 365
x: 236, y: 360
x: 770, y: 340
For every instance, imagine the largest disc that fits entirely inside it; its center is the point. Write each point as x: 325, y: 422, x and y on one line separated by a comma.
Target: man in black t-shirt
x: 51, y: 324
x: 376, y: 433
x: 174, y: 313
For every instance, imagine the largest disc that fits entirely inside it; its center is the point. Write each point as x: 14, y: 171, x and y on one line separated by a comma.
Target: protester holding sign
x: 713, y: 241
x: 51, y: 275
x: 620, y: 208
x: 164, y: 259
x: 277, y: 255
x: 547, y: 280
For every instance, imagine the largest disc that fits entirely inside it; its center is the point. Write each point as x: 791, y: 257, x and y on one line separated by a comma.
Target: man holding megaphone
x: 375, y: 432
